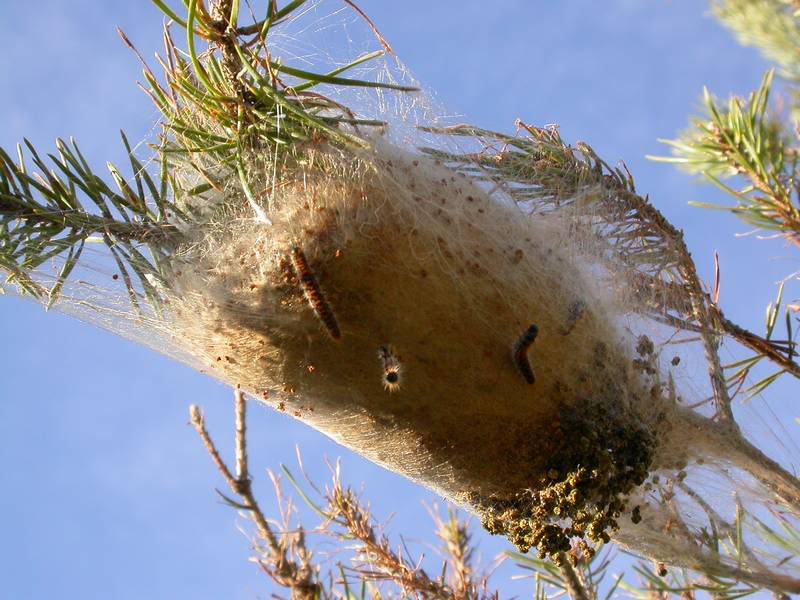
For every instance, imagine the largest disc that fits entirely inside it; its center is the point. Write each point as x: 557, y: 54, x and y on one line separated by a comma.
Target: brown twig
x: 758, y: 344
x: 297, y: 575
x: 707, y: 312
x: 381, y: 40
x: 198, y: 422
x: 223, y: 33
x: 575, y: 588
x: 288, y: 561
x: 374, y: 551
x: 241, y: 434
x: 238, y: 485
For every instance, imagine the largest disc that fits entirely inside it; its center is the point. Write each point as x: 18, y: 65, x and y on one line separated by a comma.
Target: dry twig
x: 286, y: 558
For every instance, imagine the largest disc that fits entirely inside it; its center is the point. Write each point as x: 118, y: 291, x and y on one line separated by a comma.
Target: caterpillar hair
x: 520, y: 353
x: 313, y: 293
x: 391, y: 368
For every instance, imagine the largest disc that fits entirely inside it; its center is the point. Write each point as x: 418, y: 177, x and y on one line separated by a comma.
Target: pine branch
x: 217, y: 108
x: 349, y: 521
x: 53, y: 212
x: 234, y: 98
x: 743, y: 139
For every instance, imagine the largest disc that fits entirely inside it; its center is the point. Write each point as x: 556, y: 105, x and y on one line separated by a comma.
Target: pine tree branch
x: 742, y: 139
x: 240, y: 96
x: 215, y: 111
x: 51, y: 213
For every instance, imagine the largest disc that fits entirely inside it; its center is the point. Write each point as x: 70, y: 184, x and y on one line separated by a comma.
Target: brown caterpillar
x: 391, y: 368
x: 520, y: 353
x: 313, y: 293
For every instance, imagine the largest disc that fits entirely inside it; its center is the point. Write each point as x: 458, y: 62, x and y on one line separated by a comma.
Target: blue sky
x: 106, y: 491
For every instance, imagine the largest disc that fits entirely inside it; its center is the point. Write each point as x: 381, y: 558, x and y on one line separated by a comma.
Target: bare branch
x: 198, y: 422
x: 240, y: 407
x: 297, y: 575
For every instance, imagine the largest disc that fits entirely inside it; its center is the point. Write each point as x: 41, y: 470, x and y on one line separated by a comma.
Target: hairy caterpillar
x: 391, y: 368
x: 520, y: 353
x: 313, y: 293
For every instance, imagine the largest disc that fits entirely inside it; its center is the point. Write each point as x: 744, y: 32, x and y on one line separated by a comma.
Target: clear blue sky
x: 106, y: 492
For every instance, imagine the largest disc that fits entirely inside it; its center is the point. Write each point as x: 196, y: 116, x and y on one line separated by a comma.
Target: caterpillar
x: 520, y: 353
x: 391, y: 368
x: 313, y: 293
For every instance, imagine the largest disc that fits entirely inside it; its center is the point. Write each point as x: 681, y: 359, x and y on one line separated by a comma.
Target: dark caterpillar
x: 391, y: 368
x: 520, y: 353
x: 313, y: 293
